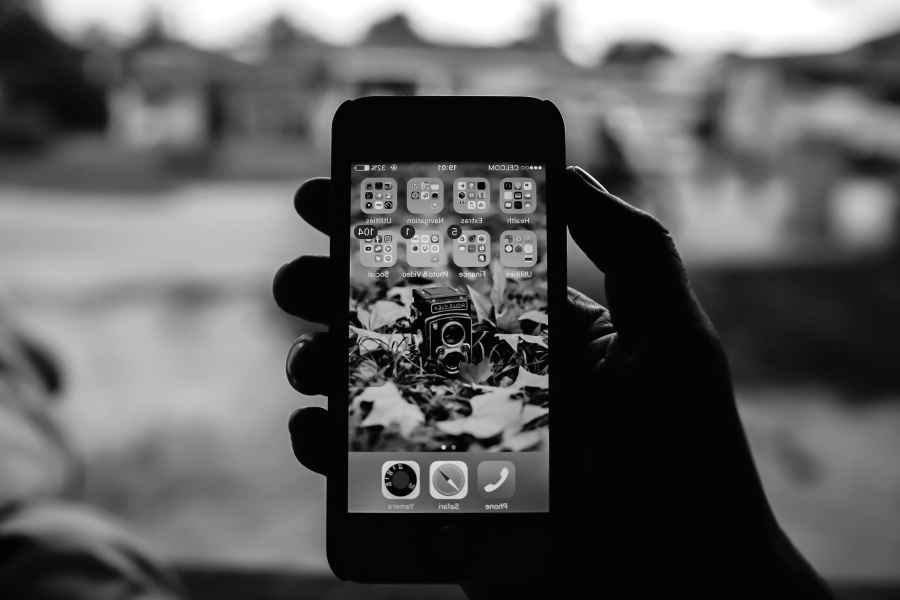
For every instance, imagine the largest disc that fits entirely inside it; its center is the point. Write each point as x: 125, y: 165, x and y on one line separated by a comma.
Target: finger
x: 586, y: 314
x: 646, y: 283
x: 298, y: 288
x: 313, y: 202
x: 307, y: 364
x: 309, y: 427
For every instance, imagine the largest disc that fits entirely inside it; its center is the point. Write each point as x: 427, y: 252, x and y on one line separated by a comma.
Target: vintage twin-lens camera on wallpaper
x: 443, y: 315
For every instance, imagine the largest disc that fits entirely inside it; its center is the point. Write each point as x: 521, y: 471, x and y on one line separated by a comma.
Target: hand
x: 673, y: 500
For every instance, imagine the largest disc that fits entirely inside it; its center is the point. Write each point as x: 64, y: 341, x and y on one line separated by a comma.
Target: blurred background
x: 149, y: 151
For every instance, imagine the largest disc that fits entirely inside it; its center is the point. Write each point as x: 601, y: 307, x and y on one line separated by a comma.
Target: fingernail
x: 589, y: 179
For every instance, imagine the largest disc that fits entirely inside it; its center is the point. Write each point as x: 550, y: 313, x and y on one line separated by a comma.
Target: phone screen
x: 449, y: 357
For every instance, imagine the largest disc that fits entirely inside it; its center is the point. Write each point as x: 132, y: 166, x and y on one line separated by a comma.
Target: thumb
x: 646, y: 285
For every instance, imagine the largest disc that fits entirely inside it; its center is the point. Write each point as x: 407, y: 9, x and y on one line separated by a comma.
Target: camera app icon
x: 379, y: 251
x: 400, y: 479
x: 377, y: 195
x: 519, y: 248
x: 472, y: 248
x: 471, y: 195
x: 425, y: 195
x: 518, y: 195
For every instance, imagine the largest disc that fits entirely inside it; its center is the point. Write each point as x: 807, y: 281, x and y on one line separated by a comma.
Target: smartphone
x: 448, y: 249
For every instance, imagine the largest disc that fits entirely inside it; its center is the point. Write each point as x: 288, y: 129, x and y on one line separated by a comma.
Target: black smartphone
x: 448, y: 252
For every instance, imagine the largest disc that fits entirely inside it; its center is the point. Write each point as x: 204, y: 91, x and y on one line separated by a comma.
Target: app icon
x: 376, y: 251
x: 400, y: 479
x: 373, y: 200
x: 425, y: 195
x: 424, y: 249
x: 515, y: 252
x: 468, y: 253
x: 513, y: 195
x: 449, y: 479
x: 496, y: 479
x: 473, y: 195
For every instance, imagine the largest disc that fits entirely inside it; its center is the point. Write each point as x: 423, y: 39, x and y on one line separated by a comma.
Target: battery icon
x: 361, y: 167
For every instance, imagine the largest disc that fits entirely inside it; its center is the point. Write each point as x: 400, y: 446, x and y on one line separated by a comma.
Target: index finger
x: 313, y: 202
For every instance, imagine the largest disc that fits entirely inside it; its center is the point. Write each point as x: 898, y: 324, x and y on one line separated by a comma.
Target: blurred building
x: 828, y: 124
x: 167, y: 92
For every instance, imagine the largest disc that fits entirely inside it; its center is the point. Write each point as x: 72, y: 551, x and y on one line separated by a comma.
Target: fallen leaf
x: 493, y: 413
x: 528, y: 379
x: 475, y: 373
x: 509, y: 320
x: 389, y: 408
x: 498, y: 289
x: 524, y: 440
x: 533, y: 339
x: 370, y: 341
x: 510, y: 338
x: 534, y: 315
x: 483, y: 308
x: 384, y: 313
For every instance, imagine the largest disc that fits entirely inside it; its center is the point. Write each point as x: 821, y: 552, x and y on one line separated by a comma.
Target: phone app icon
x: 449, y: 479
x: 496, y: 479
x: 515, y: 253
x: 471, y: 195
x: 400, y: 479
x: 468, y: 253
x: 515, y: 191
x: 373, y: 200
x: 425, y: 249
x: 377, y: 252
x: 425, y: 195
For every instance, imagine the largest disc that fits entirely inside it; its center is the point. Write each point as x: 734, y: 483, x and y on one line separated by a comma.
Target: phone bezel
x: 448, y: 548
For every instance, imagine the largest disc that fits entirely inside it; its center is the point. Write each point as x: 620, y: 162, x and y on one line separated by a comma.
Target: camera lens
x: 450, y: 362
x: 453, y: 333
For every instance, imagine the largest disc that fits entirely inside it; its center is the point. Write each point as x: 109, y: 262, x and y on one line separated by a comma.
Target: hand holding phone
x: 666, y: 494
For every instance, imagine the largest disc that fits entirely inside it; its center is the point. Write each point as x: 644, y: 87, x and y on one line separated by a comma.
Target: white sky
x: 757, y: 26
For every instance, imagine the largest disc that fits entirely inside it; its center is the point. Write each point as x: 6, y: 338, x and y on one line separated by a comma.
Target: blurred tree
x: 636, y: 53
x: 43, y: 84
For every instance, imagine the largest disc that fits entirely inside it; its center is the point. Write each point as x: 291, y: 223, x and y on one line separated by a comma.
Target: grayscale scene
x: 149, y: 153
